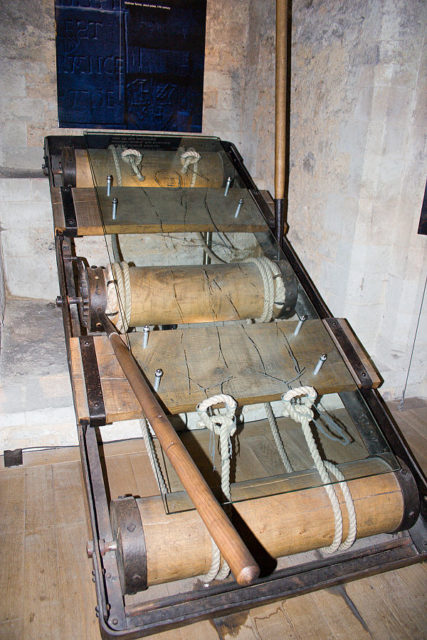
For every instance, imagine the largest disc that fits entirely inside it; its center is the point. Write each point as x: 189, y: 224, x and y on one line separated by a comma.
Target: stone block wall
x: 358, y: 113
x: 357, y: 164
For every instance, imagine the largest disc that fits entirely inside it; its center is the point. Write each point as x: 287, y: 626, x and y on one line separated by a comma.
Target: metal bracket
x: 12, y: 457
x: 69, y: 212
x: 95, y: 399
x: 131, y: 550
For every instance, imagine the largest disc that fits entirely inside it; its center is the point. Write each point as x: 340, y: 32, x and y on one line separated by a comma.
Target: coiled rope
x: 303, y: 414
x: 119, y: 295
x: 274, y: 288
x: 188, y: 158
x: 223, y: 425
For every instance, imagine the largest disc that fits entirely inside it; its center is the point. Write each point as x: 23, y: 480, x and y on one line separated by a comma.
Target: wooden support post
x: 281, y: 119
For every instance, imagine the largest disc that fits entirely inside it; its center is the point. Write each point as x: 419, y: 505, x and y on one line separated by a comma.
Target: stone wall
x: 357, y: 163
x: 356, y: 180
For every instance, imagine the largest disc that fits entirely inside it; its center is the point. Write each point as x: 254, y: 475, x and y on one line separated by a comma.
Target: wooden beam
x: 252, y: 363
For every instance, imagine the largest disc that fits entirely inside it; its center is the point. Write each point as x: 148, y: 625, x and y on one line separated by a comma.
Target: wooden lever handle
x: 232, y: 547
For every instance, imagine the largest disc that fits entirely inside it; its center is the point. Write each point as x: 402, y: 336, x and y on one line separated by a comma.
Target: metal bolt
x: 109, y: 183
x: 320, y: 364
x: 157, y: 377
x: 299, y: 325
x: 114, y: 210
x: 114, y: 621
x: 239, y: 206
x: 146, y: 331
x: 227, y: 186
x: 89, y: 550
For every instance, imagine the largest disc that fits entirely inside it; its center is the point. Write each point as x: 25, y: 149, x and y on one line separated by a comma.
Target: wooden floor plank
x: 307, y: 618
x: 272, y: 622
x: 68, y: 494
x: 237, y: 626
x: 379, y: 618
x: 75, y: 596
x: 12, y: 488
x: 146, y: 483
x: 42, y: 614
x: 121, y: 477
x: 392, y: 590
x: 11, y: 574
x: 341, y: 620
x: 39, y: 498
x: 12, y: 630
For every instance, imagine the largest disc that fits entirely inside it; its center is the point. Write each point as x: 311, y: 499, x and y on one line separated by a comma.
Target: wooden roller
x: 159, y: 168
x: 178, y: 544
x: 195, y: 293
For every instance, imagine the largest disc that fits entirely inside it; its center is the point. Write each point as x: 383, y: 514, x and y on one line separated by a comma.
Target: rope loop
x: 297, y: 412
x: 303, y: 414
x: 218, y: 422
x: 133, y: 157
x: 191, y: 156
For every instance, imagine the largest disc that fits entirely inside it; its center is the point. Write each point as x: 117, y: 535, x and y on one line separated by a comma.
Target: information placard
x: 130, y: 64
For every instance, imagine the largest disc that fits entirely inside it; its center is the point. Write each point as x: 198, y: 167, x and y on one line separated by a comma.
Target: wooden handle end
x: 248, y: 575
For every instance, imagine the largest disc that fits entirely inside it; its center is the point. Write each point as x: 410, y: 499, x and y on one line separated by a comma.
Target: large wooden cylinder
x: 195, y: 293
x: 178, y: 545
x: 159, y: 168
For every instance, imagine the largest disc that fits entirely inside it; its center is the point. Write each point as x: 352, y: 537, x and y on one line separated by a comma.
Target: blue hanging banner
x: 130, y: 64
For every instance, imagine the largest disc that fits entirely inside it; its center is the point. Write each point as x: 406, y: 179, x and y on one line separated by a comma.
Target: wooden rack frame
x: 92, y: 369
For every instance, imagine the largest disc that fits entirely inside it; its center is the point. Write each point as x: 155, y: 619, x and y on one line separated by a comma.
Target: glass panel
x: 193, y: 228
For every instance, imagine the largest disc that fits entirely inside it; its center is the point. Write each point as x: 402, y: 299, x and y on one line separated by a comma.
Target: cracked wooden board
x: 158, y: 210
x: 251, y: 362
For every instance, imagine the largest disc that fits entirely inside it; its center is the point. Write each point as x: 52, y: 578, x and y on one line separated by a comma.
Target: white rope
x: 133, y: 157
x: 274, y: 288
x: 303, y: 414
x: 116, y: 164
x: 190, y: 157
x: 223, y: 425
x: 119, y: 300
x: 152, y: 456
x: 277, y: 437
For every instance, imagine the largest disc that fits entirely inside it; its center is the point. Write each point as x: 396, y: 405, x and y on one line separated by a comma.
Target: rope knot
x: 133, y: 157
x: 191, y: 156
x: 298, y: 412
x: 221, y: 422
